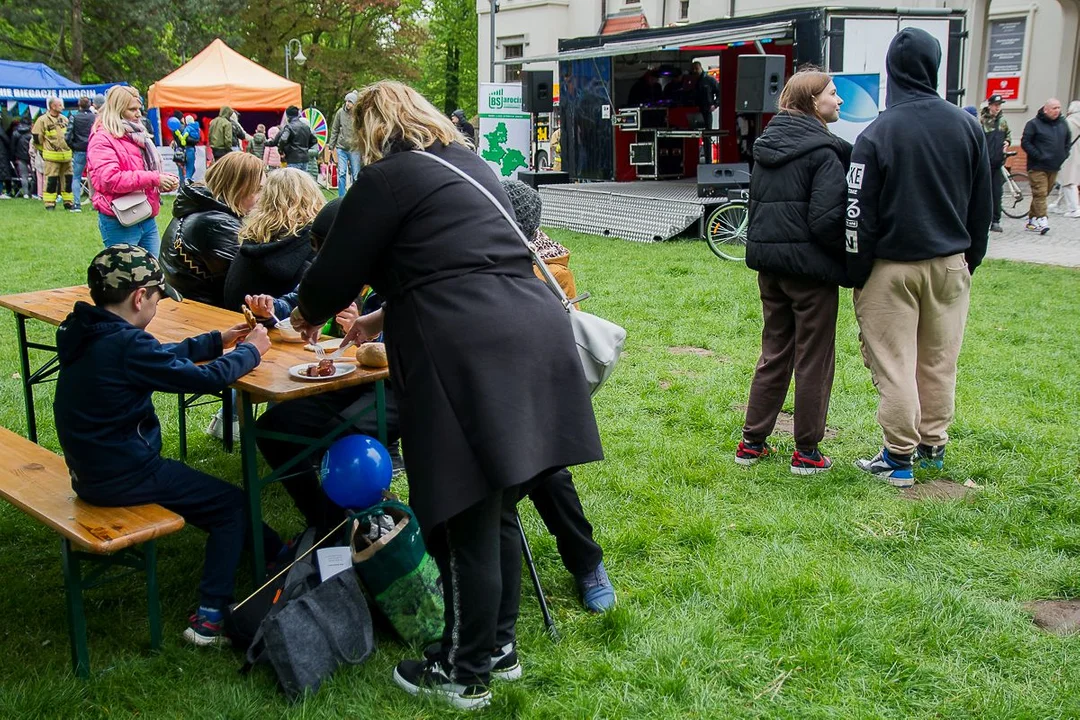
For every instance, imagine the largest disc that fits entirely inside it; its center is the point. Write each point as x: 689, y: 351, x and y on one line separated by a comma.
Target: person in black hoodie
x: 796, y: 243
x: 294, y: 140
x: 106, y: 424
x: 202, y: 238
x: 1046, y: 142
x: 275, y: 242
x: 6, y: 190
x: 21, y: 138
x: 918, y: 217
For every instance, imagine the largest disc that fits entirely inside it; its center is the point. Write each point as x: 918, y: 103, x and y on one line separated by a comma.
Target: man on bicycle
x: 998, y: 140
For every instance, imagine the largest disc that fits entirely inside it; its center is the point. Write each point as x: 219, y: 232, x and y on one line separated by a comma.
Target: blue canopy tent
x: 32, y: 84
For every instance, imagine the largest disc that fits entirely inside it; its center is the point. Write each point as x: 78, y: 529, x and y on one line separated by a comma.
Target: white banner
x: 503, y: 138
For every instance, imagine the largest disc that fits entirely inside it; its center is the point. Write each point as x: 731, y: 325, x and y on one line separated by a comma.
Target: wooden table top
x: 37, y: 482
x: 177, y: 321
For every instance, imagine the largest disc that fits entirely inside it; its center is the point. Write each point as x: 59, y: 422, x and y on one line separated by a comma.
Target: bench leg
x: 80, y: 654
x: 28, y: 387
x: 153, y: 603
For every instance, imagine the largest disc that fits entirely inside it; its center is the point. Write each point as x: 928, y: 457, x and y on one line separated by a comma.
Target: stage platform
x: 642, y: 211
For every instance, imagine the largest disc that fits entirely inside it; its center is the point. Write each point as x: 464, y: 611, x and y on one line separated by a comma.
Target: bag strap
x: 549, y: 279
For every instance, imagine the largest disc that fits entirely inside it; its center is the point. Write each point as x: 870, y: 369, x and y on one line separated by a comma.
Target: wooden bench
x: 37, y: 482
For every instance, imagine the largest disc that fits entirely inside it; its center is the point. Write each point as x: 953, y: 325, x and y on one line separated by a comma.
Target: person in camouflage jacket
x: 998, y: 140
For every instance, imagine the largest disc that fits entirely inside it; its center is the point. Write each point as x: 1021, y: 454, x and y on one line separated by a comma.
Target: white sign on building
x: 503, y: 137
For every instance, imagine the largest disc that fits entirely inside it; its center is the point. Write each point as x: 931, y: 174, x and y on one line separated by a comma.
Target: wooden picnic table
x: 268, y: 382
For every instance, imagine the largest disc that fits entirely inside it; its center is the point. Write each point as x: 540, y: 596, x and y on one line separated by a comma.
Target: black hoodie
x: 272, y: 268
x: 797, y: 200
x: 919, y: 182
x: 199, y: 245
x: 104, y: 415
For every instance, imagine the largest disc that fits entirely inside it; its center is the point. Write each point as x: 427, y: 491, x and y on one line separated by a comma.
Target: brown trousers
x: 800, y: 336
x: 1042, y: 183
x: 911, y: 323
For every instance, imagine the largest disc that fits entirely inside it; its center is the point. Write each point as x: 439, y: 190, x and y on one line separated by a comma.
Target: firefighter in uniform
x: 49, y: 136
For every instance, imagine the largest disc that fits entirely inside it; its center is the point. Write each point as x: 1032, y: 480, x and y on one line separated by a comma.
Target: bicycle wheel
x: 1016, y: 195
x: 725, y: 231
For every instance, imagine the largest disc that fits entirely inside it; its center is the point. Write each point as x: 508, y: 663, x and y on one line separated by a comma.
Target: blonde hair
x: 234, y: 178
x: 290, y: 199
x: 111, y: 115
x: 389, y: 112
x: 800, y: 90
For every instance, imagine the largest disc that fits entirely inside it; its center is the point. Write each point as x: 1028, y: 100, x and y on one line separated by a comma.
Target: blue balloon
x: 355, y: 472
x: 174, y: 123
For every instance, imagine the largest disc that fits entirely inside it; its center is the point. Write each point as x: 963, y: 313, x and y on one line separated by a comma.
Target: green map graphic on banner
x: 508, y: 160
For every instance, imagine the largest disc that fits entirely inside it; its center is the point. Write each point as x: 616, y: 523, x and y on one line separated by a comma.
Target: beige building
x: 1028, y: 50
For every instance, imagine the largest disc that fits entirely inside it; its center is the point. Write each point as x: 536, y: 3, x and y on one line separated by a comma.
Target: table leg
x: 182, y: 422
x: 27, y: 382
x: 226, y: 419
x: 380, y: 411
x: 252, y: 485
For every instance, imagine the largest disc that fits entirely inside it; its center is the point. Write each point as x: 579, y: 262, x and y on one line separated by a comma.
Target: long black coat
x: 482, y: 359
x: 798, y: 196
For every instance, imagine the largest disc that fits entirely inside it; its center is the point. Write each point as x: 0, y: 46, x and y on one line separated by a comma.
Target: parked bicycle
x: 1016, y: 193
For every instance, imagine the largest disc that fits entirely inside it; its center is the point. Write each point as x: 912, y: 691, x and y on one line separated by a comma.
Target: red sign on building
x: 1007, y: 87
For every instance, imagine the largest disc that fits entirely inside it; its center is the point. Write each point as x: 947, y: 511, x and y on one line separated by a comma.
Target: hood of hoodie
x: 84, y: 326
x: 1041, y: 115
x: 195, y: 198
x: 279, y: 247
x: 789, y: 136
x: 912, y: 63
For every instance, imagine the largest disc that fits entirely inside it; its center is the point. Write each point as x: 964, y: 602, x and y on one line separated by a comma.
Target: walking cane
x: 527, y: 552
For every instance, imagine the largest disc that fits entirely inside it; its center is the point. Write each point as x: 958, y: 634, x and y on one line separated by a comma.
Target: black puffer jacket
x: 294, y: 141
x: 797, y: 199
x: 272, y: 268
x: 20, y: 142
x: 1046, y: 142
x: 78, y: 134
x: 200, y: 244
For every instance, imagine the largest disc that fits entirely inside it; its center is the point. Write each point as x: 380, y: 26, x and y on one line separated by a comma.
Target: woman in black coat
x: 489, y: 387
x: 202, y: 238
x: 795, y: 241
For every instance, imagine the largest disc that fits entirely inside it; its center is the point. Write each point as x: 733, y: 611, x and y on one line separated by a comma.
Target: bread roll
x: 372, y: 354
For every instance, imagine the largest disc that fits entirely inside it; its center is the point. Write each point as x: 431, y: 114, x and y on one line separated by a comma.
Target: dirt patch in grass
x: 1060, y: 617
x: 690, y: 350
x: 937, y: 489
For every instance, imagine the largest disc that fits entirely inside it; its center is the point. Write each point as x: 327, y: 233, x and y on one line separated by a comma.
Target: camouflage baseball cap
x: 127, y: 267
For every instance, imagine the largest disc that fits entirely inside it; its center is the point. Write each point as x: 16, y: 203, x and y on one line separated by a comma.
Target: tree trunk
x: 453, y: 78
x: 76, y: 40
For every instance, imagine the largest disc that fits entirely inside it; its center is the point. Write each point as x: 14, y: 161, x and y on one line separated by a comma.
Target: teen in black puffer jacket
x: 202, y: 239
x: 798, y: 195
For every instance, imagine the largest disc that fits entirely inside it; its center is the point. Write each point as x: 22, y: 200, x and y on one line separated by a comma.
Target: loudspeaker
x: 716, y: 180
x: 535, y: 179
x: 536, y: 91
x: 761, y: 78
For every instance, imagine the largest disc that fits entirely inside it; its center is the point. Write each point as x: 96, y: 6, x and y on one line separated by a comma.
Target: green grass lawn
x: 742, y: 593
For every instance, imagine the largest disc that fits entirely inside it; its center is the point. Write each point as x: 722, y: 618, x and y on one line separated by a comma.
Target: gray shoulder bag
x: 599, y: 342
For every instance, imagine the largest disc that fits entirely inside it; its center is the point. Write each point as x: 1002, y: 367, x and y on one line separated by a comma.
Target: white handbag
x: 132, y: 209
x: 599, y: 342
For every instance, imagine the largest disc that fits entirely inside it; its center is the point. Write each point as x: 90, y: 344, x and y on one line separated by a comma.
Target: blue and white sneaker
x: 597, y: 594
x: 893, y: 469
x: 931, y: 456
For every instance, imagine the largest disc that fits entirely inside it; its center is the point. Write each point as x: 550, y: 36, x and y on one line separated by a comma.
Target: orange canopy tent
x: 221, y: 76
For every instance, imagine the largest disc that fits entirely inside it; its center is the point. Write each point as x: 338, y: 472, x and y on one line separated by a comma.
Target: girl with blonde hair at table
x: 483, y: 365
x: 121, y: 159
x: 275, y: 240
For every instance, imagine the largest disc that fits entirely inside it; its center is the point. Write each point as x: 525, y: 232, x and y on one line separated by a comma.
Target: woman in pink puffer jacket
x: 122, y: 159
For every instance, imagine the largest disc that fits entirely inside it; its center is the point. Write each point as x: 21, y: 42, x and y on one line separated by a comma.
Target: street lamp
x: 299, y: 56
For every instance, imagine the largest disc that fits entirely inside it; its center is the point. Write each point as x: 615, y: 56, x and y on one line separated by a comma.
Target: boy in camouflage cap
x: 106, y: 423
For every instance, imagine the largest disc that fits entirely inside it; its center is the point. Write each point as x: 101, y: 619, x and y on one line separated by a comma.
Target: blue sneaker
x: 597, y: 594
x: 893, y: 469
x: 931, y: 456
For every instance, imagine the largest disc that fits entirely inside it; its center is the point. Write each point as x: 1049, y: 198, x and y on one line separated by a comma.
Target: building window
x: 684, y: 9
x: 631, y: 2
x: 512, y: 73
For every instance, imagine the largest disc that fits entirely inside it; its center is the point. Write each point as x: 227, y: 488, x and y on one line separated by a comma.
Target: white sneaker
x: 1044, y: 222
x: 4, y: 196
x: 1073, y: 214
x: 216, y: 428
